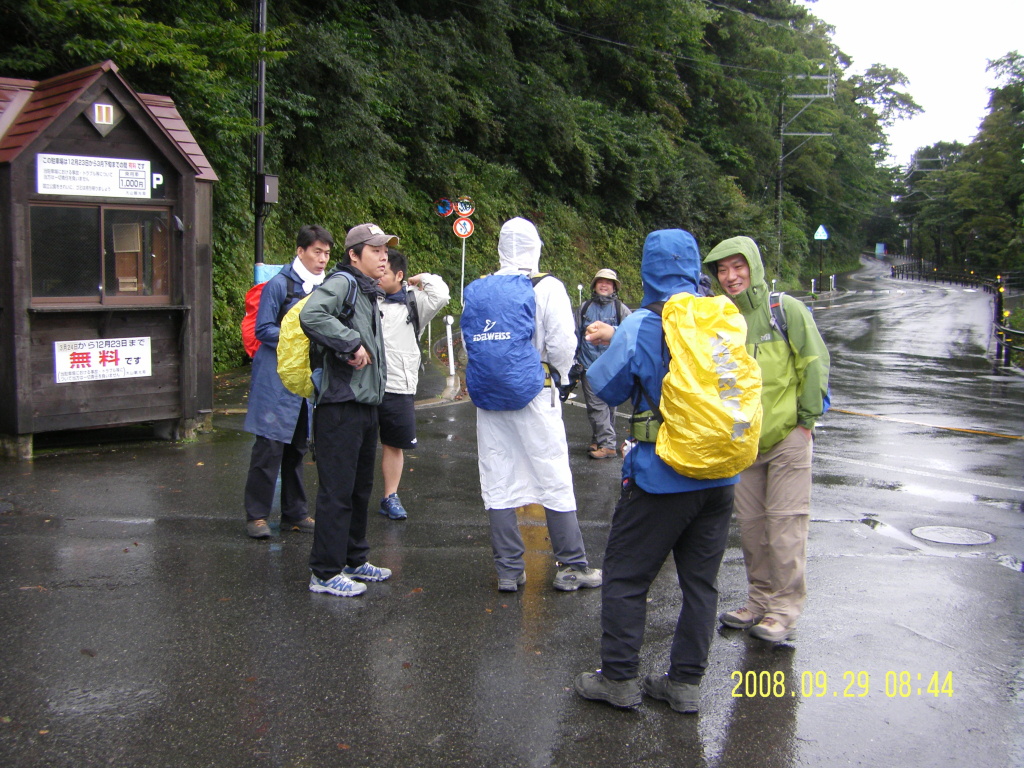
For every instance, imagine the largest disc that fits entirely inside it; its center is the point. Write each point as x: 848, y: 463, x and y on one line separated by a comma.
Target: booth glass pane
x: 136, y: 244
x: 64, y: 243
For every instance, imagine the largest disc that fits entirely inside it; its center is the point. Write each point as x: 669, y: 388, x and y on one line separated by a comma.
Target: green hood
x: 757, y: 293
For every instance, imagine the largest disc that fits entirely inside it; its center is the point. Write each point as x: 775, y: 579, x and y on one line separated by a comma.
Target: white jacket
x: 401, y: 347
x: 522, y: 455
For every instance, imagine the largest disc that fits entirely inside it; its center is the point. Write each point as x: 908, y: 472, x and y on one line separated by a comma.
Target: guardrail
x: 1008, y: 340
x: 914, y: 271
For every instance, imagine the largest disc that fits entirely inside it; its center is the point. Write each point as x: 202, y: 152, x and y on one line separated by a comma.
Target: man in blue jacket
x: 279, y: 419
x: 659, y: 510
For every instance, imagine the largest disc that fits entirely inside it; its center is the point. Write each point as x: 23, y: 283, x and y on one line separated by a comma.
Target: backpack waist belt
x: 643, y: 426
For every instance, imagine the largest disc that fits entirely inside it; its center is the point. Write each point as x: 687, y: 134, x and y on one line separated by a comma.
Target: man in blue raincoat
x: 279, y: 419
x: 660, y: 511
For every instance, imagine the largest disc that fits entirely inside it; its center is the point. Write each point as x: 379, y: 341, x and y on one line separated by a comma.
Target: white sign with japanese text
x: 97, y: 359
x: 92, y: 176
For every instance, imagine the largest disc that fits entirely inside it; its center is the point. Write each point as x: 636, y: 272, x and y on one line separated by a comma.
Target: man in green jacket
x: 773, y: 498
x: 349, y: 387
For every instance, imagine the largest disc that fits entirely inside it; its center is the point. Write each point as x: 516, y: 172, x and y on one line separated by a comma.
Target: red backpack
x: 252, y: 307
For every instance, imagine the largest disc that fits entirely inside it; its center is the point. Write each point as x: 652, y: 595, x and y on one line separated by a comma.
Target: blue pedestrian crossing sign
x: 821, y: 233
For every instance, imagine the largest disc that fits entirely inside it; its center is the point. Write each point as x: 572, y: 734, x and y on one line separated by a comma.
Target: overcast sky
x: 942, y: 48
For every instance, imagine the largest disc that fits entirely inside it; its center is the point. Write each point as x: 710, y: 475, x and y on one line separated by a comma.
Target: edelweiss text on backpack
x: 489, y: 335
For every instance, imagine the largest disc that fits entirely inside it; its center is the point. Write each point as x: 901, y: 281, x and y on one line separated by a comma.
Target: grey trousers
x: 507, y: 542
x: 601, y: 416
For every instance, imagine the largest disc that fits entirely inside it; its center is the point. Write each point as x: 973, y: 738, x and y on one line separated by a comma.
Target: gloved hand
x: 575, y: 373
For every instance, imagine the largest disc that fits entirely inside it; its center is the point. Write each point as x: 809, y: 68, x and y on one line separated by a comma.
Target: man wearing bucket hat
x: 603, y: 305
x: 347, y: 332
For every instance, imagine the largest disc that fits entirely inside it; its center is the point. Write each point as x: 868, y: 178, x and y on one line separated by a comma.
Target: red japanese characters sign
x: 96, y: 359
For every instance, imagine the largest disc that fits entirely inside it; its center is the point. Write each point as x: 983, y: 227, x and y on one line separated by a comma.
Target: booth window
x: 100, y: 254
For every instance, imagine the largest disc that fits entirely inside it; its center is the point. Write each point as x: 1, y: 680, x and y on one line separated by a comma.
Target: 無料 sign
x: 97, y: 359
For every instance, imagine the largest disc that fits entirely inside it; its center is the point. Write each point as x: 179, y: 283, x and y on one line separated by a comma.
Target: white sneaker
x: 367, y: 572
x: 340, y: 585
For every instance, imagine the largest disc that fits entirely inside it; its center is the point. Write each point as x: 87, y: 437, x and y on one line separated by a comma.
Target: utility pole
x: 810, y: 98
x: 265, y: 187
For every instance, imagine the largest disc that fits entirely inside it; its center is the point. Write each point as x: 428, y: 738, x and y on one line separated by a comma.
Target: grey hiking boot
x: 257, y: 529
x: 624, y: 694
x: 682, y: 697
x: 512, y: 585
x: 569, y: 578
x: 305, y: 525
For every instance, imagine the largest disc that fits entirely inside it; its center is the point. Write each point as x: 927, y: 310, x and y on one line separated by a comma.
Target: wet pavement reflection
x: 142, y: 628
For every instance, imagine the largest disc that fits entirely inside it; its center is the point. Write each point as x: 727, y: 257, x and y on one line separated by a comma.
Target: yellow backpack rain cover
x: 293, y: 353
x: 711, y: 396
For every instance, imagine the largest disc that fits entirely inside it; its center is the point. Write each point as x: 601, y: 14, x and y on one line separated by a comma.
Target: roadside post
x: 821, y: 235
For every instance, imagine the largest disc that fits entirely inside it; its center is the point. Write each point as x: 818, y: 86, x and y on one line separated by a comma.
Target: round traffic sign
x: 463, y: 227
x: 464, y: 206
x: 443, y: 207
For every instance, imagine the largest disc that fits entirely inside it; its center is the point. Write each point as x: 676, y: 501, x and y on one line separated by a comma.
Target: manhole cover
x: 948, y: 534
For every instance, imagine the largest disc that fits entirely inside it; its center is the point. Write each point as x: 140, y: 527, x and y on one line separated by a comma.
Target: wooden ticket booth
x: 105, y: 248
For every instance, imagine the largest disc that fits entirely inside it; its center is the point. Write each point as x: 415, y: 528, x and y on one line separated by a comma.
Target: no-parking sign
x: 463, y: 227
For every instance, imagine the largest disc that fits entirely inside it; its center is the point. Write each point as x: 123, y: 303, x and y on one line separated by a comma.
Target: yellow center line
x: 925, y: 424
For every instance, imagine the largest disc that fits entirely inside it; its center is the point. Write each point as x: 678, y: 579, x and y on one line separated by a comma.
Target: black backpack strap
x: 581, y: 326
x: 618, y: 309
x: 778, y: 314
x: 414, y: 311
x: 348, y: 308
x: 656, y: 307
x: 294, y: 292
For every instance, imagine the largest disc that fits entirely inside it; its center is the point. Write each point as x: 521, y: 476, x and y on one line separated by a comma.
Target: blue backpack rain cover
x: 503, y: 369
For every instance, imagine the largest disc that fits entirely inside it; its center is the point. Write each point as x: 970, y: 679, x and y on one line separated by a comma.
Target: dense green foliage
x: 599, y: 120
x: 965, y: 204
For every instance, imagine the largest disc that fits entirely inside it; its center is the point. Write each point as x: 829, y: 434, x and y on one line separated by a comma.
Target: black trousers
x: 270, y: 457
x: 646, y: 527
x: 345, y: 436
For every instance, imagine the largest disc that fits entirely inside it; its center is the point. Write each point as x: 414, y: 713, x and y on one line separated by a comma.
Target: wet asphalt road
x: 140, y: 627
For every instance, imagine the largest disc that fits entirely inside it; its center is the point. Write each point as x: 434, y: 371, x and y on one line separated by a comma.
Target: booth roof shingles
x: 27, y: 107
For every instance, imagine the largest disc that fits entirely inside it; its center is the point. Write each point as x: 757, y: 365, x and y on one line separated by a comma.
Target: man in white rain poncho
x: 523, y: 455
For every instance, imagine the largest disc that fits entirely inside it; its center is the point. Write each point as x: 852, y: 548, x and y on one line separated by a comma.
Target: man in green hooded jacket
x: 773, y: 498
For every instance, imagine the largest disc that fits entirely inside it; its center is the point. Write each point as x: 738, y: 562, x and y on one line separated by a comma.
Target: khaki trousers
x: 772, y: 508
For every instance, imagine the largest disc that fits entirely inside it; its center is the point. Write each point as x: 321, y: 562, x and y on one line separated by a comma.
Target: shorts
x: 397, y: 417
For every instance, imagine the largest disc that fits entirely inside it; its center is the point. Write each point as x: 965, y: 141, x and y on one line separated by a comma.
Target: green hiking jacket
x: 321, y: 320
x: 795, y: 375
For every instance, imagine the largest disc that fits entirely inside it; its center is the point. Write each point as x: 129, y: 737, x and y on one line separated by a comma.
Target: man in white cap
x: 603, y: 305
x: 348, y: 335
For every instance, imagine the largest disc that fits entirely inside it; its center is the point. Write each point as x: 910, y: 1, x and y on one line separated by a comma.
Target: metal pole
x: 260, y: 27
x: 462, y: 285
x: 778, y: 184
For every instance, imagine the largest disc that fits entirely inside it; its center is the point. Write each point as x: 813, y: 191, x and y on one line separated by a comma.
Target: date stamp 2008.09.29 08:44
x: 855, y: 685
